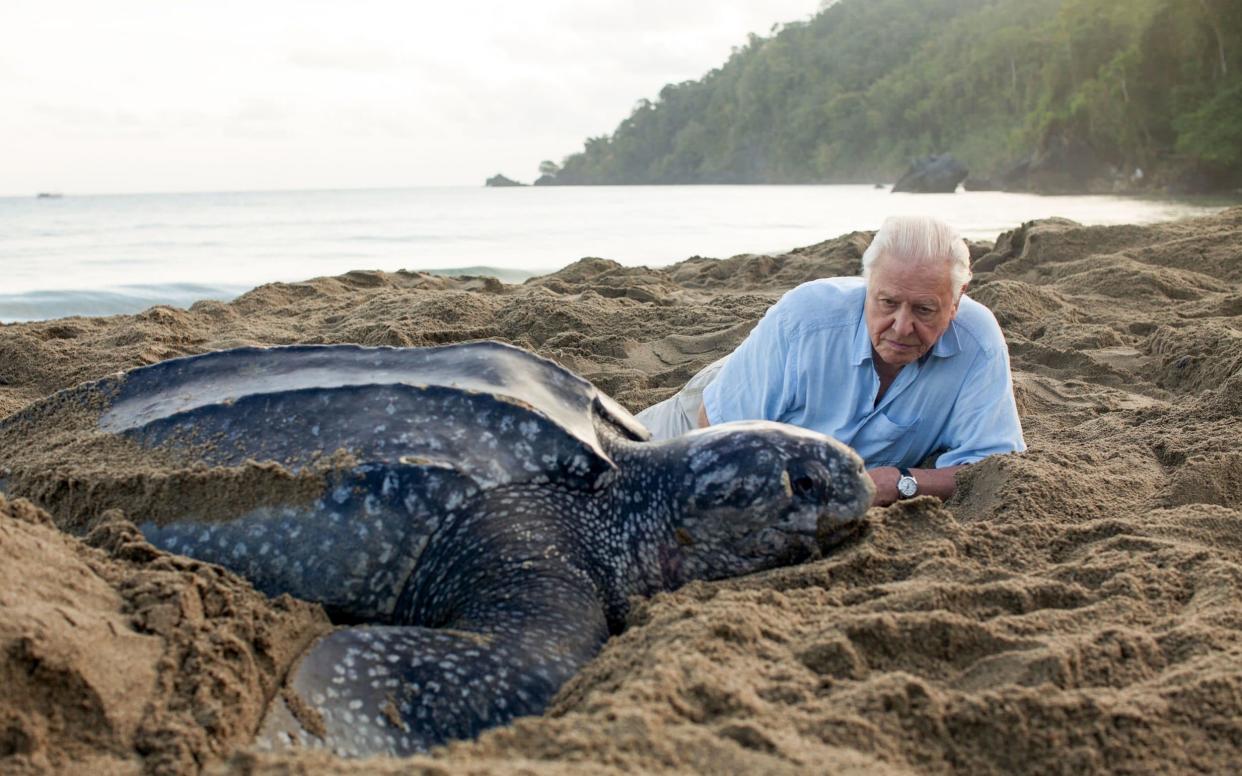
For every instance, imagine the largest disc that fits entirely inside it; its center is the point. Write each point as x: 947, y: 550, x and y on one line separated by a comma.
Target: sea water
x: 98, y: 255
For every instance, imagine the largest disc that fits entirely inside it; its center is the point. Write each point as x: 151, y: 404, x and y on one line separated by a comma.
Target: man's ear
x: 957, y: 302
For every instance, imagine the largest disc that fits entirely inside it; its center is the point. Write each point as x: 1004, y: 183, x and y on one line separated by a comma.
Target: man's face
x: 909, y: 305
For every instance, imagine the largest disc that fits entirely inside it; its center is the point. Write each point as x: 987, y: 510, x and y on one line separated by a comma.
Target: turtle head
x: 754, y: 495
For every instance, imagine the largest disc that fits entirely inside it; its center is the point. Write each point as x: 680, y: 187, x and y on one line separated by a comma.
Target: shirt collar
x: 947, y: 345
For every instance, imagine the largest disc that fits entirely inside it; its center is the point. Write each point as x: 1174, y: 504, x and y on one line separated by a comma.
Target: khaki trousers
x: 679, y: 413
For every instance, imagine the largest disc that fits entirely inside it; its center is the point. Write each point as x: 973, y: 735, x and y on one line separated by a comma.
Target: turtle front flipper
x: 398, y: 690
x: 351, y: 548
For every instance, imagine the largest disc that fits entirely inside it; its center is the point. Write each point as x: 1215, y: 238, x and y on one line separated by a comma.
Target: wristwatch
x: 907, y: 486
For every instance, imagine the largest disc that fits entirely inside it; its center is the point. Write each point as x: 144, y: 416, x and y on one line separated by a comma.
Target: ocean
x: 106, y: 254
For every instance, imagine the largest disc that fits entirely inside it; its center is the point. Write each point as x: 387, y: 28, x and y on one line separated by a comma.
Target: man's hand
x: 885, y: 480
x: 932, y: 482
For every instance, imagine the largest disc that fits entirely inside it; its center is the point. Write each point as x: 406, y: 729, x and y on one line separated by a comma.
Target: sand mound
x: 118, y: 657
x: 1074, y: 609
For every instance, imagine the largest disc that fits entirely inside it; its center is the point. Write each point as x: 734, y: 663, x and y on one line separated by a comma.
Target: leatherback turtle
x: 477, y: 521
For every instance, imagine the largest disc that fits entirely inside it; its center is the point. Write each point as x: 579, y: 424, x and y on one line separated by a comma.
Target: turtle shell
x: 394, y: 443
x: 495, y: 413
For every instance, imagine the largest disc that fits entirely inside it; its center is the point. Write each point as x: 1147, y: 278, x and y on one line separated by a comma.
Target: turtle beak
x: 843, y: 517
x: 826, y: 528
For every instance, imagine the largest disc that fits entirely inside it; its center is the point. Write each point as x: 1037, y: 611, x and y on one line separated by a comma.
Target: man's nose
x: 904, y: 322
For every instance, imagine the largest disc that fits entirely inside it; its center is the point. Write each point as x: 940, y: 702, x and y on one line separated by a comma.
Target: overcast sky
x: 171, y: 95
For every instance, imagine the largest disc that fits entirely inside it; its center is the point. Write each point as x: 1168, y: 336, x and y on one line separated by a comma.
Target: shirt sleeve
x: 758, y: 381
x: 984, y: 420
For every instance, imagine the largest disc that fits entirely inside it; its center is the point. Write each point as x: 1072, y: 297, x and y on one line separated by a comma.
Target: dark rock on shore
x: 501, y: 181
x: 1063, y: 164
x: 1199, y: 178
x: 935, y: 174
x: 1067, y: 165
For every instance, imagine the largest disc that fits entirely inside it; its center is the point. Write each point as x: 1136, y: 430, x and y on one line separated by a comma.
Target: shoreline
x: 1071, y: 608
x: 106, y: 255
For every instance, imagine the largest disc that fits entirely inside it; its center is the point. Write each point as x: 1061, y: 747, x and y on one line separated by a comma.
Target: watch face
x: 907, y: 486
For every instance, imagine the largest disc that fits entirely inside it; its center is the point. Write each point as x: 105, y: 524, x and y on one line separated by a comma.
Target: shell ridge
x: 492, y: 438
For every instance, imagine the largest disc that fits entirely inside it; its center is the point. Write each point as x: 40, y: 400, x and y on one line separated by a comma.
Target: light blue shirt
x: 809, y: 362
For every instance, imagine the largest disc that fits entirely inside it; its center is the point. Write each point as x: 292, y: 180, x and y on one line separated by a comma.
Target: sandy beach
x: 1074, y: 609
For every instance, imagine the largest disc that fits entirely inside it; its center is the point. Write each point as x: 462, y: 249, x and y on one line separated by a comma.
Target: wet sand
x: 1074, y: 609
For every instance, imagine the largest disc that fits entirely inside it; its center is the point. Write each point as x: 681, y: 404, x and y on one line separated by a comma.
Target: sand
x: 1074, y: 609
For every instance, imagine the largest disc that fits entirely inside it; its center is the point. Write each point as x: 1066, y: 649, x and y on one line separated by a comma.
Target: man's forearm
x: 703, y: 421
x: 932, y: 482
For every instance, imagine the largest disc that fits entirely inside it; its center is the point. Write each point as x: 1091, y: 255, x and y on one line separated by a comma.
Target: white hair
x: 917, y: 239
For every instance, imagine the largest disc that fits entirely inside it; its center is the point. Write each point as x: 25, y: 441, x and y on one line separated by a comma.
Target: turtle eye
x: 810, y: 480
x: 803, y: 486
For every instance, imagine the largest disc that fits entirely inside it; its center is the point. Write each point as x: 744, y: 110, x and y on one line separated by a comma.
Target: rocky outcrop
x: 1063, y: 164
x: 500, y: 181
x: 935, y: 174
x: 1066, y: 164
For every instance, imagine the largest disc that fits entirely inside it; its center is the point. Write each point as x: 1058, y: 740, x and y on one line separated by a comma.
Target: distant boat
x: 49, y: 195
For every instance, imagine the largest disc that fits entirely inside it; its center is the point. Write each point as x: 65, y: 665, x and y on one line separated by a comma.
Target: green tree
x: 854, y: 92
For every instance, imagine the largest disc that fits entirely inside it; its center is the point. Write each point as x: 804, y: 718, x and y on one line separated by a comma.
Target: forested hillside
x: 1129, y: 93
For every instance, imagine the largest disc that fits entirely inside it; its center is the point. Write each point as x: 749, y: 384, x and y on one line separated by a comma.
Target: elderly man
x: 898, y: 364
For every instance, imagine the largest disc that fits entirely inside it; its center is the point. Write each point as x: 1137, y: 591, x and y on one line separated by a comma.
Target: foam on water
x: 41, y: 305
